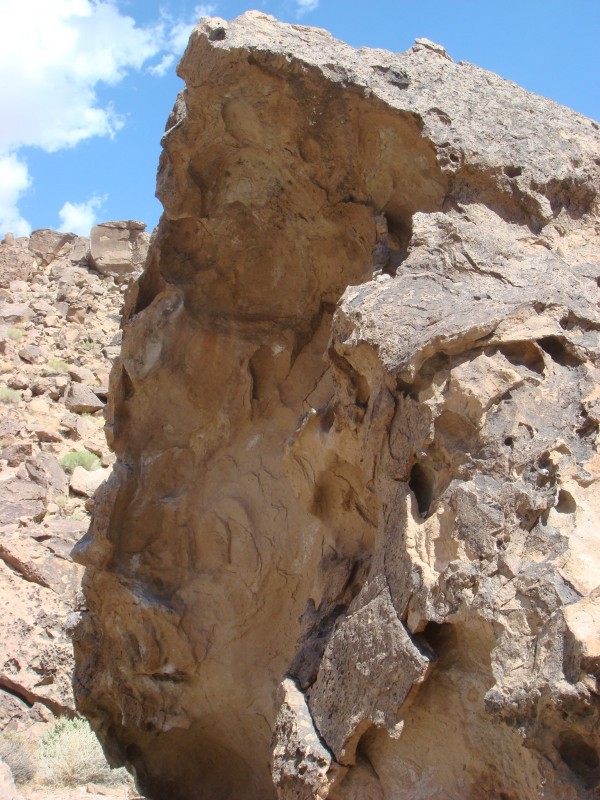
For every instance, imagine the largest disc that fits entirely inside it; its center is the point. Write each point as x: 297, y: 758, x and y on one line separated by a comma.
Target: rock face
x: 349, y: 547
x: 59, y: 320
x: 118, y: 248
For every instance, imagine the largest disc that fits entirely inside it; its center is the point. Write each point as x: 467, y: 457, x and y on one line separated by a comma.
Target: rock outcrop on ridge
x: 349, y: 546
x: 59, y: 332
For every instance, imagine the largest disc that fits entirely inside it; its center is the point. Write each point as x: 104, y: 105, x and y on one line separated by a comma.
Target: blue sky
x: 86, y: 85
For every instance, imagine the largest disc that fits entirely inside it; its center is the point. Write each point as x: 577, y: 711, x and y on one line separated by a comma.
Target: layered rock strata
x: 59, y: 331
x: 349, y: 547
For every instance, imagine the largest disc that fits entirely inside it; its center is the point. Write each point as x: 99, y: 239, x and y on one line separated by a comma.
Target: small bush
x: 88, y: 344
x: 71, y: 755
x: 18, y: 751
x: 57, y: 365
x: 14, y: 333
x: 8, y: 395
x: 80, y: 458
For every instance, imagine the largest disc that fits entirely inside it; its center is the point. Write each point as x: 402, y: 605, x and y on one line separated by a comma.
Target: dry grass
x: 71, y: 755
x: 15, y: 334
x: 20, y: 753
x: 8, y: 395
x: 55, y: 366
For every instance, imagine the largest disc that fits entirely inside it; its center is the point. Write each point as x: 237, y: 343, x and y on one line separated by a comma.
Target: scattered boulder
x: 14, y: 312
x: 21, y: 499
x: 82, y: 400
x: 82, y: 375
x: 37, y: 592
x: 48, y: 244
x: 45, y: 470
x: 85, y: 482
x: 17, y: 262
x: 119, y: 248
x: 31, y: 354
x: 51, y: 300
x: 16, y: 453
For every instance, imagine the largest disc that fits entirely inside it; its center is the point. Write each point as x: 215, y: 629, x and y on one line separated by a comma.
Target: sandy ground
x: 89, y: 792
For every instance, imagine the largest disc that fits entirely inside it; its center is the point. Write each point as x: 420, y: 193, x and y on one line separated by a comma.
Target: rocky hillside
x: 349, y: 545
x: 60, y: 302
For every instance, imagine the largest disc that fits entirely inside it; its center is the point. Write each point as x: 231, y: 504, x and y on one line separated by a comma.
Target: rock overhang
x: 372, y: 287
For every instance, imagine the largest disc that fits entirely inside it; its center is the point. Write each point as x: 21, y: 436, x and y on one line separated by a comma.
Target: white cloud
x: 53, y: 55
x: 176, y: 33
x: 80, y: 217
x: 14, y: 180
x: 303, y: 6
x: 163, y: 66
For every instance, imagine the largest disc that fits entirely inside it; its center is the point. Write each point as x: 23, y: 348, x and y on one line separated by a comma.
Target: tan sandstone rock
x: 118, y: 248
x: 86, y: 482
x: 349, y: 547
x: 82, y: 400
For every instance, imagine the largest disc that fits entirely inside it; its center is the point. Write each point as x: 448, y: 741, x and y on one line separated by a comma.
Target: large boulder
x: 85, y: 482
x: 21, y: 499
x: 82, y: 400
x: 349, y: 548
x: 17, y: 262
x: 49, y: 245
x: 118, y: 248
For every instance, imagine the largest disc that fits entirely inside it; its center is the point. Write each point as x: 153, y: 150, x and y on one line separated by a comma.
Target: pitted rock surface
x: 349, y: 546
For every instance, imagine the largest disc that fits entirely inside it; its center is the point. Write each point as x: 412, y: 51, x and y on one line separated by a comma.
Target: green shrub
x: 8, y: 395
x: 80, y: 458
x: 57, y: 365
x: 20, y: 753
x: 70, y: 755
x: 15, y: 333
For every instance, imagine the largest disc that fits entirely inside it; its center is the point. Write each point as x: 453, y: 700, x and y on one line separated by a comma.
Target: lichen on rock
x: 349, y: 546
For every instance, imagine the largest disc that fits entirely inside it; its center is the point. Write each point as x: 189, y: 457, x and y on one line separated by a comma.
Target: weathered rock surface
x: 119, y: 248
x: 349, y: 547
x: 82, y: 400
x: 58, y: 317
x: 85, y: 482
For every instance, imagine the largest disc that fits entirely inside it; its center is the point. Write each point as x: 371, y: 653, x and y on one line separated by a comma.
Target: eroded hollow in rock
x: 421, y: 483
x: 274, y: 228
x: 580, y: 757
